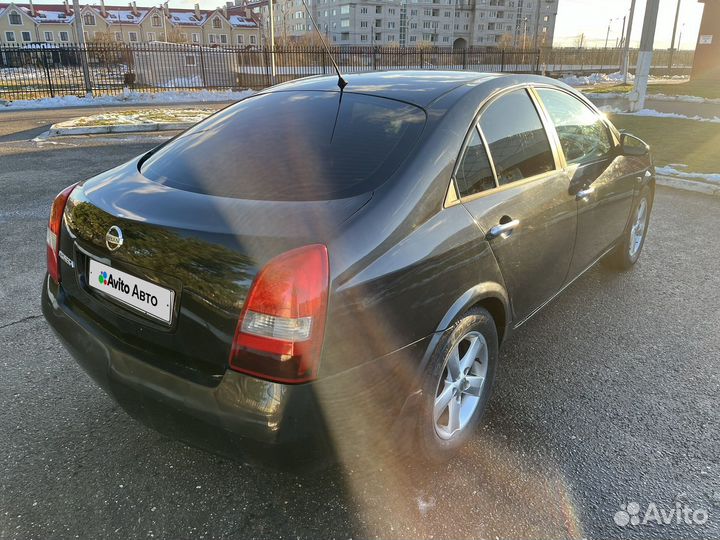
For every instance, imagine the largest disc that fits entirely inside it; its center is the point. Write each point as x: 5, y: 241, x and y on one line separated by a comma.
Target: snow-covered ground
x: 672, y: 170
x: 130, y: 97
x: 138, y: 117
x: 610, y: 78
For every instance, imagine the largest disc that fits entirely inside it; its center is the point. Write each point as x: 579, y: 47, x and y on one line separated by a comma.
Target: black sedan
x: 316, y: 272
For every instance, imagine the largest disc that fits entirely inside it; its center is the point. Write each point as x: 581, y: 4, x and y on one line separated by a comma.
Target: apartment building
x: 32, y: 23
x: 446, y: 23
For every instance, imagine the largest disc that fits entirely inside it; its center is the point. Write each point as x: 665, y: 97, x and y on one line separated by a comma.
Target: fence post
x: 47, y: 73
x: 537, y: 63
x: 464, y: 57
x: 202, y: 66
x: 502, y: 60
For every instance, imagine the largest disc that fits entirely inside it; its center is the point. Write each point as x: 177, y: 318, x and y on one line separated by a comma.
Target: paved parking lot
x: 607, y: 397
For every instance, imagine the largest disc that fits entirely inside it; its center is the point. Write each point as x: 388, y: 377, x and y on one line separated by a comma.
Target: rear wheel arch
x: 489, y: 295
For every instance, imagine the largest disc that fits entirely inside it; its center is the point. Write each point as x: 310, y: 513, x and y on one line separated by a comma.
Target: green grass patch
x: 674, y: 140
x: 705, y: 89
x: 605, y: 89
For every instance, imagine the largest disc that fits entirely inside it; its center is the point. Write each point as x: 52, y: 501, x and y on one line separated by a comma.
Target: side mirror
x: 630, y: 145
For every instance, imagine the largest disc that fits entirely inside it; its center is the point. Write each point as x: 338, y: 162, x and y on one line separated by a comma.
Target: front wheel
x: 457, y: 385
x: 627, y: 252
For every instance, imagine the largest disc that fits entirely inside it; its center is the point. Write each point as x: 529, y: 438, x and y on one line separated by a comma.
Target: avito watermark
x: 631, y: 515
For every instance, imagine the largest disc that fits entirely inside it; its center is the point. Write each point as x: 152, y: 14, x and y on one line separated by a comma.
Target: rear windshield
x: 291, y: 146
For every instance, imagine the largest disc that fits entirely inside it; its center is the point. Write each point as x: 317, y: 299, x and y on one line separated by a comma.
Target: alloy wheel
x: 637, y: 232
x: 461, y: 385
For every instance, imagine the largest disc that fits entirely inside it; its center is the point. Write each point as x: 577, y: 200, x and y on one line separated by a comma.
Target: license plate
x: 138, y: 293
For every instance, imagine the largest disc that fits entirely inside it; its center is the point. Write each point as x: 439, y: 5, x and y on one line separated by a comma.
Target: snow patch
x: 130, y: 97
x: 657, y: 114
x: 711, y: 178
x: 596, y: 78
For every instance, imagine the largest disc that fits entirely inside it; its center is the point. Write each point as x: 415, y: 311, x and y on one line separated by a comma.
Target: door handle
x: 584, y: 193
x: 503, y: 229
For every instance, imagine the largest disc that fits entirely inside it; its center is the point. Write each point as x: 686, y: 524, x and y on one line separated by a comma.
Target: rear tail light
x: 280, y: 332
x: 53, y: 232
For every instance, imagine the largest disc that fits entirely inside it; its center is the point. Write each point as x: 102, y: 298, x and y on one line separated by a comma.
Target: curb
x: 56, y: 130
x: 698, y: 186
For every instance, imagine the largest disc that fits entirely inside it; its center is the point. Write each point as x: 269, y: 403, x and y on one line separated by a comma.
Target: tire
x: 438, y: 439
x: 628, y: 250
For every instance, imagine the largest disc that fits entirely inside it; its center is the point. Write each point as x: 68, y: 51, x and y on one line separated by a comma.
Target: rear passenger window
x: 583, y: 136
x: 518, y: 144
x: 474, y: 173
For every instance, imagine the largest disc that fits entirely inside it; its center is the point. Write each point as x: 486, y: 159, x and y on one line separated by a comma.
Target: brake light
x: 53, y: 232
x: 280, y: 332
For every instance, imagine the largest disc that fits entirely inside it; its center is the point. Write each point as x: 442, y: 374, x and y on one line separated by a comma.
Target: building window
x: 89, y: 19
x: 378, y: 9
x: 363, y: 24
x: 413, y: 38
x: 252, y: 40
x: 344, y: 10
x: 345, y: 23
x: 391, y: 11
x: 49, y: 36
x: 133, y: 36
x: 156, y: 21
x: 378, y: 37
x: 9, y: 36
x: 151, y: 36
x: 195, y: 38
x: 118, y: 36
x: 223, y: 38
x: 15, y: 19
x: 363, y: 10
x: 26, y: 36
x: 64, y: 36
x: 391, y: 24
x: 241, y: 40
x: 217, y: 23
x: 189, y: 60
x: 546, y: 18
x: 363, y: 37
x: 212, y: 38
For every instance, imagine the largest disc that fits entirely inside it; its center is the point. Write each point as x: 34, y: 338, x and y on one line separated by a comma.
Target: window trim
x: 558, y: 158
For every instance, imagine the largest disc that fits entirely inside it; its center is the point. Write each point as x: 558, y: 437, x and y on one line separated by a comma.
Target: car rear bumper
x: 242, y: 417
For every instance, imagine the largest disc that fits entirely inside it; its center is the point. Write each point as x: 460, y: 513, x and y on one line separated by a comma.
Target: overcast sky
x: 590, y: 17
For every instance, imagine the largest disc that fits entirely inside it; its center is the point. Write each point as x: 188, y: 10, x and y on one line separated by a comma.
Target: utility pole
x: 272, y: 41
x: 80, y: 37
x: 645, y: 54
x: 626, y: 52
x: 607, y: 36
x: 672, y: 40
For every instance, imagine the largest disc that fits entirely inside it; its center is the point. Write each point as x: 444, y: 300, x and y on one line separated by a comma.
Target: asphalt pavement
x: 608, y: 397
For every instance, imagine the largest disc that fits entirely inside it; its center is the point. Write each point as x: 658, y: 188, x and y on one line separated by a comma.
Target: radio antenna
x: 342, y: 83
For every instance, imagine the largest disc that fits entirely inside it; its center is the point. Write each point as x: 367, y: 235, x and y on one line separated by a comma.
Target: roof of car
x: 418, y: 87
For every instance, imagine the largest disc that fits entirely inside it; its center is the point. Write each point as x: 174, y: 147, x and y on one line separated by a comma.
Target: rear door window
x: 516, y: 137
x: 304, y: 145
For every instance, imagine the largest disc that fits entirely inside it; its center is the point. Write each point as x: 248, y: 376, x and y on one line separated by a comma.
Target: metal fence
x: 44, y: 70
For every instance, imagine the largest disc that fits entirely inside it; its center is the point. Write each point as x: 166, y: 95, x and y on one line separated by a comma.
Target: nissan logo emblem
x: 113, y: 238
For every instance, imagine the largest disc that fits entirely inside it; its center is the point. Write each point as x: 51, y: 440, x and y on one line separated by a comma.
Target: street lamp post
x: 626, y: 52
